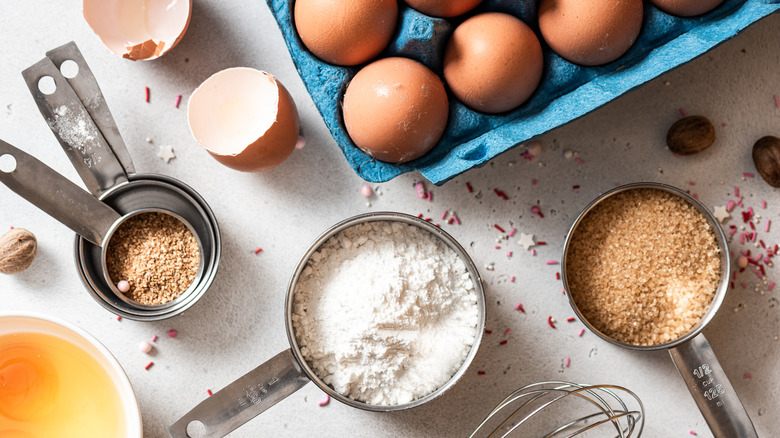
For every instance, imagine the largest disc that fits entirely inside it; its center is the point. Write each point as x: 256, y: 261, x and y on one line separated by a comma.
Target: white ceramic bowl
x: 20, y: 322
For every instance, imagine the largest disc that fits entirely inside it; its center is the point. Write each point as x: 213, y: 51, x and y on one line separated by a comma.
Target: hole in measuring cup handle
x: 47, y: 85
x: 69, y: 68
x: 7, y: 163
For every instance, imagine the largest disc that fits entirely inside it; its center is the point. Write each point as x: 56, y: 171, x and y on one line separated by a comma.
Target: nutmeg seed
x: 766, y: 157
x: 17, y: 250
x: 690, y: 135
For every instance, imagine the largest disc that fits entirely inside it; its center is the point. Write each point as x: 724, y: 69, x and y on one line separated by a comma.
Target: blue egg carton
x: 567, y: 91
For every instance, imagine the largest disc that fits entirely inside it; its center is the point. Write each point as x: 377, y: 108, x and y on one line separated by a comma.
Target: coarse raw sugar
x: 156, y: 254
x: 643, y: 266
x: 385, y: 312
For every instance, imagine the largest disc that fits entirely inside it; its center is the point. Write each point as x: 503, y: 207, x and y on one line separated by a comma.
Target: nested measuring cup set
x: 79, y: 117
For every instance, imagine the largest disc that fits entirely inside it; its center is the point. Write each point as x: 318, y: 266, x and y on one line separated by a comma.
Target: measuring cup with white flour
x: 384, y: 312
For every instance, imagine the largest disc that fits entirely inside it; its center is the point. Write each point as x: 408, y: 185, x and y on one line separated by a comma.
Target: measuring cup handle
x: 57, y: 195
x: 243, y: 399
x: 716, y: 398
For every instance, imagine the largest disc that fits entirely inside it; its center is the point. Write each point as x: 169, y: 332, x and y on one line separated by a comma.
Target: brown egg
x: 592, y: 32
x: 443, y: 8
x: 345, y: 32
x: 686, y: 8
x: 395, y: 109
x: 493, y: 62
x: 244, y: 118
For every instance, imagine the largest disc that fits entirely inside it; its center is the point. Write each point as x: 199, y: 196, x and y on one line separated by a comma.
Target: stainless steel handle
x: 86, y: 87
x: 243, y: 399
x: 716, y: 398
x: 75, y: 129
x: 57, y: 196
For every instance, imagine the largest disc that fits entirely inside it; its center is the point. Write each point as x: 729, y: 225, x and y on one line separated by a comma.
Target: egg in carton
x: 566, y: 92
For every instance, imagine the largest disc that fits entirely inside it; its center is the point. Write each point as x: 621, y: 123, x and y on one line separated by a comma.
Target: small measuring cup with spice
x: 148, y: 246
x: 646, y: 267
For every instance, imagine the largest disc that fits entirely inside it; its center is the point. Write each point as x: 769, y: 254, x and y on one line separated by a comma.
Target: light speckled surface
x: 239, y: 322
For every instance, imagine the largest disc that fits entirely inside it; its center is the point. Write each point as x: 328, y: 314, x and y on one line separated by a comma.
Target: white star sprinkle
x: 166, y: 153
x: 526, y: 240
x: 720, y: 213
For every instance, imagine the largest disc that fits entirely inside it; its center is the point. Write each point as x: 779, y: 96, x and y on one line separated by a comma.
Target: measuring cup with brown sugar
x: 646, y: 267
x: 154, y: 231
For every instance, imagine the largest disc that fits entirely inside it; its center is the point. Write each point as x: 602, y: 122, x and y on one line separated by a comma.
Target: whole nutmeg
x: 17, y: 250
x: 690, y: 135
x: 766, y: 157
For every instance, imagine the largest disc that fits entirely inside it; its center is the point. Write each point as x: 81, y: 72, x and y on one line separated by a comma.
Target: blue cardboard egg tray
x: 566, y: 92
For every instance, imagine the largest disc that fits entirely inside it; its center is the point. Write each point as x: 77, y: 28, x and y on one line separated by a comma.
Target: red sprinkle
x: 499, y: 228
x: 748, y: 175
x: 178, y: 100
x: 147, y: 93
x: 570, y: 319
x: 258, y: 250
x: 501, y: 194
x: 118, y: 318
x: 575, y: 187
x: 507, y: 331
x: 777, y: 102
x: 488, y: 331
x: 519, y: 307
x: 536, y: 210
x: 172, y: 333
x: 550, y: 321
x: 682, y: 111
x: 557, y: 275
x: 468, y: 186
x: 149, y: 365
x: 481, y: 373
x: 693, y: 183
x: 747, y: 376
x: 324, y: 402
x: 579, y: 160
x: 209, y: 392
x: 541, y: 243
x: 503, y: 342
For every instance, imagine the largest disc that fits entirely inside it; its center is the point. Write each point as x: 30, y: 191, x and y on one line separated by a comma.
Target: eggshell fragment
x: 345, y: 32
x: 590, y: 32
x: 138, y: 29
x: 395, y: 109
x: 244, y: 118
x: 443, y: 8
x: 686, y: 8
x: 493, y: 62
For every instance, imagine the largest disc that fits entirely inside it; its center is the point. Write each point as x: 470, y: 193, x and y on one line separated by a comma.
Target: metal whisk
x: 604, y: 403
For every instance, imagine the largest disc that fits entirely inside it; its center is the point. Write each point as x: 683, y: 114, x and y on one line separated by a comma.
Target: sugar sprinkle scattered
x: 325, y: 401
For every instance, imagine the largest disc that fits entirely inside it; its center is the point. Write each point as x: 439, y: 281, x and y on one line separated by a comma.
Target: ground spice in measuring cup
x: 157, y: 254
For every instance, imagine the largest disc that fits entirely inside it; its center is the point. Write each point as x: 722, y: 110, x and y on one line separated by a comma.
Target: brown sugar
x: 643, y: 266
x: 156, y: 254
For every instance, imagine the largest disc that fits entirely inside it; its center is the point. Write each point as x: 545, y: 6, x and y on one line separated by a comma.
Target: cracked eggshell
x: 244, y: 118
x: 138, y: 29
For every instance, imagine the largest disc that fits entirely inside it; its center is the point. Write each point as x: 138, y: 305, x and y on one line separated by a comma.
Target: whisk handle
x: 716, y: 398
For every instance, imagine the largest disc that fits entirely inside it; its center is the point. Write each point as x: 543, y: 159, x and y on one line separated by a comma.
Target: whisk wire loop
x: 537, y: 397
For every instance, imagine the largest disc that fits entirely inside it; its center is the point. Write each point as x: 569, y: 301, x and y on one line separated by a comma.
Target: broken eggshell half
x: 244, y: 118
x: 138, y: 29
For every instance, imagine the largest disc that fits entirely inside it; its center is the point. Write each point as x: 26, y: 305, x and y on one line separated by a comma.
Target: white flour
x: 385, y: 312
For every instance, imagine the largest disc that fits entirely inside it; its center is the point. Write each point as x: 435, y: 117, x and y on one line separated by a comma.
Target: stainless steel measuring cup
x: 288, y: 371
x: 76, y: 112
x: 692, y: 354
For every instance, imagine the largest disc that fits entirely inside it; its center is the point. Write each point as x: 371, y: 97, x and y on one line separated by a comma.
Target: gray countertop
x: 239, y: 323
